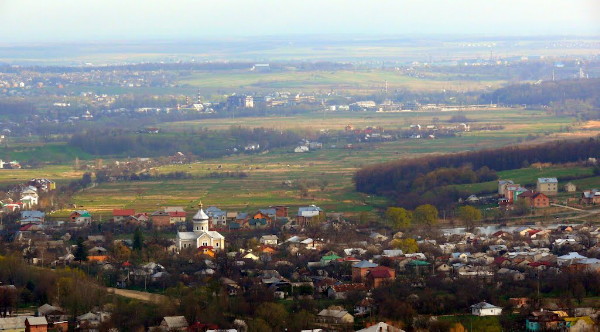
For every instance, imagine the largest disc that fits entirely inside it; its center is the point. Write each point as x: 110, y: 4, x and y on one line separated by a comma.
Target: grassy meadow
x: 518, y: 122
x: 356, y: 81
x: 267, y: 172
x: 62, y: 174
x: 527, y: 177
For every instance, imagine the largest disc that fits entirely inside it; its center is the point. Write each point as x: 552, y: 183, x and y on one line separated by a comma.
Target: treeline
x: 110, y: 176
x: 13, y: 108
x: 446, y: 176
x: 184, y: 66
x: 204, y: 143
x: 420, y: 181
x: 134, y: 67
x: 134, y: 101
x: 546, y: 93
x: 222, y: 175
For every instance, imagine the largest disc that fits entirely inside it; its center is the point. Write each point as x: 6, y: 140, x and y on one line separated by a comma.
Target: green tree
x: 364, y: 218
x: 138, y: 240
x: 399, y: 217
x: 426, y: 214
x: 258, y: 325
x: 302, y: 320
x: 469, y: 215
x: 323, y: 184
x: 408, y: 246
x: 273, y: 313
x: 81, y: 251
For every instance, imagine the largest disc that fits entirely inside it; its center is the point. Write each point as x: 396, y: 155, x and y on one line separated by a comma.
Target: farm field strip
x: 265, y: 183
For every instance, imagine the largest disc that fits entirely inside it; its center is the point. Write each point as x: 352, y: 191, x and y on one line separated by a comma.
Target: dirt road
x: 137, y: 295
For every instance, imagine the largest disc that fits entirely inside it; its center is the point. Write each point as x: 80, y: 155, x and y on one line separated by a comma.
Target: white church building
x: 201, y: 236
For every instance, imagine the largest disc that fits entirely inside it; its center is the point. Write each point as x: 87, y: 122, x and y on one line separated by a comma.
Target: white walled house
x: 485, y: 309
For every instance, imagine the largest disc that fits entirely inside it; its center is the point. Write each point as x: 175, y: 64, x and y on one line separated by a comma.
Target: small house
x: 120, y: 215
x: 485, y: 309
x: 269, y: 240
x: 161, y: 219
x: 335, y: 315
x: 174, y: 323
x: 36, y: 324
x: 570, y: 187
x: 81, y: 217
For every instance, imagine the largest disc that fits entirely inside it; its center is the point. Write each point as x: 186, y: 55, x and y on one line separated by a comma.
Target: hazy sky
x: 91, y: 20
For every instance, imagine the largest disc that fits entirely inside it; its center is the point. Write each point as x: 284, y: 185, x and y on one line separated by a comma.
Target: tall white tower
x: 200, y: 221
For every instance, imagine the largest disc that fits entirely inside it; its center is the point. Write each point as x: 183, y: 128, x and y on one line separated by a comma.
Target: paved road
x: 137, y: 295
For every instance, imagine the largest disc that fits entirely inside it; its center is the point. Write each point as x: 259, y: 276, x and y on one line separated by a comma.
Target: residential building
x: 281, y: 211
x: 120, y: 215
x: 544, y: 320
x: 485, y: 309
x: 335, y: 315
x: 174, y: 323
x: 502, y: 187
x: 590, y: 197
x: 535, y: 199
x: 513, y: 191
x: 81, y: 217
x: 36, y: 324
x: 216, y: 216
x: 570, y: 187
x: 377, y: 276
x: 360, y: 270
x: 269, y: 240
x: 307, y: 214
x: 13, y: 324
x: 37, y: 217
x: 548, y: 186
x: 160, y: 218
x: 381, y: 327
x: 176, y: 214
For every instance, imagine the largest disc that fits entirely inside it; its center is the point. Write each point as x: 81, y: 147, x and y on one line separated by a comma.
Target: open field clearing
x: 271, y: 178
x: 389, y: 48
x: 56, y: 153
x: 528, y: 177
x: 517, y: 121
x: 359, y: 81
x: 59, y: 173
x: 267, y: 173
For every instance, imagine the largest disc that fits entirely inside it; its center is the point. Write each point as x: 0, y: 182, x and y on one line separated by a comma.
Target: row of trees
x: 201, y: 143
x: 402, y: 218
x: 545, y: 92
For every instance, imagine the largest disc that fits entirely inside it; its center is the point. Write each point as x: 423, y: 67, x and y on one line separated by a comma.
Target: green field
x: 359, y: 81
x: 528, y: 177
x: 266, y: 172
x: 295, y: 48
x: 62, y: 174
x: 518, y: 122
x: 42, y: 152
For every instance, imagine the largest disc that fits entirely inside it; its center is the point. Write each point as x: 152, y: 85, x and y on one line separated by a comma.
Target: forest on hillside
x: 579, y: 98
x: 421, y: 181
